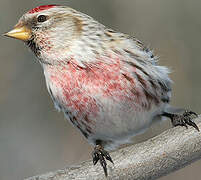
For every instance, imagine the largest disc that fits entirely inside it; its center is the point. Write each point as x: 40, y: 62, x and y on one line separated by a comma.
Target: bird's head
x: 48, y: 28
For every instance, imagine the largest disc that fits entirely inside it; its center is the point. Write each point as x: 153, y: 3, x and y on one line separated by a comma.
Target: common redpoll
x: 108, y: 84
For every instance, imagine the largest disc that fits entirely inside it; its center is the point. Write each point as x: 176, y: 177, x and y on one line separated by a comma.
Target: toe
x: 95, y: 157
x: 99, y: 154
x: 191, y: 123
x: 107, y: 156
x: 189, y: 113
x: 103, y: 164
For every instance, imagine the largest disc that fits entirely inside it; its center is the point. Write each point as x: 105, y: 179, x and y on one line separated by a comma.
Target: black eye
x: 41, y: 18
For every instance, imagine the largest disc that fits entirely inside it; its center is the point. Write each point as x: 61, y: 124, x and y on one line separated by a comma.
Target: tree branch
x: 158, y: 156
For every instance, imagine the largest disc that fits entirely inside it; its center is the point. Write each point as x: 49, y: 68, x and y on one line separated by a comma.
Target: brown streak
x: 149, y: 96
x: 163, y: 86
x: 153, y: 84
x: 141, y: 80
x: 128, y: 78
x: 87, y: 119
x: 139, y: 68
x: 78, y: 23
x: 82, y: 131
x: 108, y: 34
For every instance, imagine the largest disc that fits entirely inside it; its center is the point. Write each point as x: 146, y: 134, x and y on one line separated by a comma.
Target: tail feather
x: 174, y: 110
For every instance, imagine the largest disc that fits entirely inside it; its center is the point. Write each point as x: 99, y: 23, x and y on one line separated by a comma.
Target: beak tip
x: 21, y: 33
x: 4, y: 34
x: 7, y: 35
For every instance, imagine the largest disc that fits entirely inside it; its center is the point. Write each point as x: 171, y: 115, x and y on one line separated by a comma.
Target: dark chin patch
x: 32, y: 45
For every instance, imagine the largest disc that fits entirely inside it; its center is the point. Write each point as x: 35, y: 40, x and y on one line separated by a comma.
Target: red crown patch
x: 41, y: 8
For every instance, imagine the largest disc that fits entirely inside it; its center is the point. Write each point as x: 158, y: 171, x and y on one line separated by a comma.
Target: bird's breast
x: 81, y: 89
x: 87, y: 90
x: 100, y: 96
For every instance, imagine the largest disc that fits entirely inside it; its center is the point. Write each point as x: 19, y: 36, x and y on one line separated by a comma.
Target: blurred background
x: 34, y: 137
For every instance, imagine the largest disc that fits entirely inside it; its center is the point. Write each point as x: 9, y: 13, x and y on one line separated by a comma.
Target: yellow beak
x: 21, y: 33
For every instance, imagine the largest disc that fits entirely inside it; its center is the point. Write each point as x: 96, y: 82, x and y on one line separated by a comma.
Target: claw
x: 191, y: 112
x: 104, y: 165
x: 188, y: 113
x: 108, y: 157
x: 184, y: 124
x: 182, y: 120
x: 100, y: 154
x: 191, y: 123
x: 95, y: 158
x: 105, y: 170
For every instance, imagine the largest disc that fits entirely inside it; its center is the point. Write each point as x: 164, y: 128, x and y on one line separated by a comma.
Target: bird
x: 108, y: 84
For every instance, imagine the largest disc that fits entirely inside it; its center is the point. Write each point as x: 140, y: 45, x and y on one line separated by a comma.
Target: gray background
x: 34, y: 138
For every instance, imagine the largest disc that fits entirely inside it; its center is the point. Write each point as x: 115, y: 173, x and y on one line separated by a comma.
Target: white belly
x: 117, y: 123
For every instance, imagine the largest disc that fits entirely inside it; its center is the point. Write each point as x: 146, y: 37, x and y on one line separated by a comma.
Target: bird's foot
x: 100, y: 154
x: 185, y: 119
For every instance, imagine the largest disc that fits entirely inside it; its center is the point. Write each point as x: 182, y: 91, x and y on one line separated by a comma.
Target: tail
x: 174, y: 110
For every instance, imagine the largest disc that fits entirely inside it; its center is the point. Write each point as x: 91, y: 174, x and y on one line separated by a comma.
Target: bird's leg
x: 182, y: 119
x: 100, y: 154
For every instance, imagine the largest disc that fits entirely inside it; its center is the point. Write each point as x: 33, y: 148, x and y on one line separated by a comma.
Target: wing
x: 142, y: 64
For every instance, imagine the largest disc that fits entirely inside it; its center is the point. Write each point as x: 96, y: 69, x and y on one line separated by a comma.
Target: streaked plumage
x: 108, y: 84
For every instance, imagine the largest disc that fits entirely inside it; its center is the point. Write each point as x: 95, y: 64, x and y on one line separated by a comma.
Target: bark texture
x: 158, y: 156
